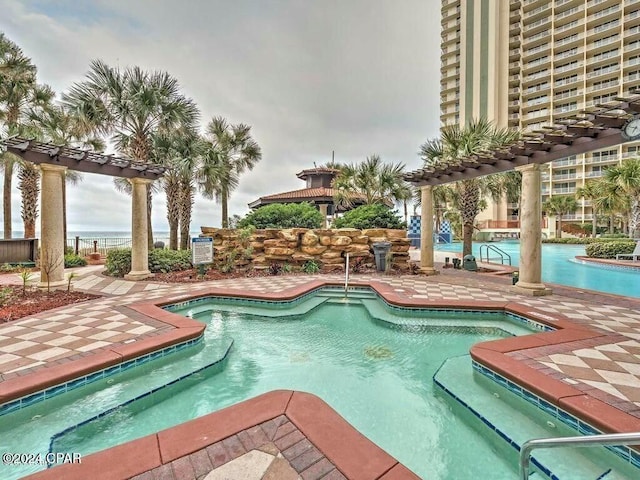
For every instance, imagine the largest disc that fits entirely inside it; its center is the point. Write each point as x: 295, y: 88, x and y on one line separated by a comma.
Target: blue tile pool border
x: 217, y: 363
x: 624, y: 452
x: 50, y: 392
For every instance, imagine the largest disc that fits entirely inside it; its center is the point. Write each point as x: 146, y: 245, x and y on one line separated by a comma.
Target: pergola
x: 53, y: 160
x: 598, y: 127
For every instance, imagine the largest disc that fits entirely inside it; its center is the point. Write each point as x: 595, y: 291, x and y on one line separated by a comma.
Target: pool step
x: 515, y: 421
x: 379, y: 311
x: 352, y: 292
x: 255, y: 308
x: 112, y: 391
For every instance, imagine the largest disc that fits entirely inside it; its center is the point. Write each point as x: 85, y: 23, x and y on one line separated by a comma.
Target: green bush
x: 609, y: 249
x: 311, y: 266
x: 580, y: 241
x: 163, y: 261
x: 284, y: 215
x: 118, y: 261
x: 73, y: 260
x: 370, y: 216
x: 614, y: 235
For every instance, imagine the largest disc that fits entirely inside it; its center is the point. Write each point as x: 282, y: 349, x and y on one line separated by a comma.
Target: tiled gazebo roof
x: 322, y: 194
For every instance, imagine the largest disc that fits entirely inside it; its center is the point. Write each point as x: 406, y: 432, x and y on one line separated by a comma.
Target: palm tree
x: 560, y: 205
x: 456, y: 142
x: 58, y: 125
x: 229, y: 150
x: 28, y: 173
x: 592, y: 190
x: 371, y: 181
x: 130, y: 106
x: 178, y: 152
x: 17, y: 86
x: 626, y: 176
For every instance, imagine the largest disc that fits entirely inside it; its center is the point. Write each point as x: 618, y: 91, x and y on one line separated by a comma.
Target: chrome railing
x: 580, y: 441
x: 492, y: 248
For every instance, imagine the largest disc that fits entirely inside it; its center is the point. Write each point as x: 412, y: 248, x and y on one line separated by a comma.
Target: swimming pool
x: 373, y: 364
x: 559, y: 266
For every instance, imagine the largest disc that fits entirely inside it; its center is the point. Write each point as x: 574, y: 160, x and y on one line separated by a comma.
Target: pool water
x: 377, y: 375
x: 559, y: 266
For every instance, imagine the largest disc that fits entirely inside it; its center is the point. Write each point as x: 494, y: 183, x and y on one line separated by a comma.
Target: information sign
x: 201, y: 250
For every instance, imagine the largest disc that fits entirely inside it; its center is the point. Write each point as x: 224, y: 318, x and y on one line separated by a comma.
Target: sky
x: 354, y: 77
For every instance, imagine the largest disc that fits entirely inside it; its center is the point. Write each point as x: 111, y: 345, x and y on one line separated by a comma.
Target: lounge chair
x: 635, y: 255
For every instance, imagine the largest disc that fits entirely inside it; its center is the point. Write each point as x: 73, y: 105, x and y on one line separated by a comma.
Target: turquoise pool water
x: 559, y: 266
x: 378, y: 375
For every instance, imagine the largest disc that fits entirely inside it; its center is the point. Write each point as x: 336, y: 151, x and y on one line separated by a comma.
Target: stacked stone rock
x: 299, y: 245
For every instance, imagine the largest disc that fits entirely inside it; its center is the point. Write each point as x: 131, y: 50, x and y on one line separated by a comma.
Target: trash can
x: 380, y: 250
x: 469, y: 263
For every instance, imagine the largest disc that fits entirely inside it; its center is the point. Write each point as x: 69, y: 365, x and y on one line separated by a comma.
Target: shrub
x: 613, y: 235
x: 370, y: 216
x: 284, y: 215
x: 609, y: 249
x: 73, y: 260
x: 311, y: 266
x: 579, y: 241
x: 275, y: 269
x: 163, y: 261
x: 118, y: 261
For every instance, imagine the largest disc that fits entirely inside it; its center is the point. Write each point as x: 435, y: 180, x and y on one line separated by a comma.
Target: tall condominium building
x: 530, y: 63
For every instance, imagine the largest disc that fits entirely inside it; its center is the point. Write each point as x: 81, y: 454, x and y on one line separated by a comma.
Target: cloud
x: 356, y: 77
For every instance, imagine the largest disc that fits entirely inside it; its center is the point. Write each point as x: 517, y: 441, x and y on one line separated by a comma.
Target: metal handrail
x: 580, y: 441
x: 346, y: 273
x: 499, y: 251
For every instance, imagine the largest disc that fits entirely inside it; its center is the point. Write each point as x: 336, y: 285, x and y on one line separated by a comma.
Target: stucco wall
x: 298, y: 245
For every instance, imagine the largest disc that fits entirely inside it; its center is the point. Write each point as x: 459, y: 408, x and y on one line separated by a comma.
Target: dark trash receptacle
x: 380, y: 250
x: 158, y: 244
x: 469, y: 263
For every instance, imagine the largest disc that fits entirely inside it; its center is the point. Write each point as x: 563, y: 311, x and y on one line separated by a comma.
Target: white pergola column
x: 426, y: 231
x: 530, y: 277
x: 139, y: 231
x: 51, y: 227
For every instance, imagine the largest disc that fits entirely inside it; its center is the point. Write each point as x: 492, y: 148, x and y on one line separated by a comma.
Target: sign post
x: 201, y: 252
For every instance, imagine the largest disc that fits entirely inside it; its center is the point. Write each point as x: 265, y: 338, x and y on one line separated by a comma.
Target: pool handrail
x: 578, y: 441
x: 499, y: 251
x: 346, y: 273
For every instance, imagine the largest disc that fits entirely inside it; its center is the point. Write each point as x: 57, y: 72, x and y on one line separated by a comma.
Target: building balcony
x: 564, y: 162
x: 604, y: 86
x: 605, y: 14
x: 603, y: 72
x: 564, y: 176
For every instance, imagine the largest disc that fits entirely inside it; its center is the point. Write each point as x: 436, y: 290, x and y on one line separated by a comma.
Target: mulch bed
x: 16, y: 305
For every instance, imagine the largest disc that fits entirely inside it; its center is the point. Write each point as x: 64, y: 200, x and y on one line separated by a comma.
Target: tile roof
x: 302, y: 193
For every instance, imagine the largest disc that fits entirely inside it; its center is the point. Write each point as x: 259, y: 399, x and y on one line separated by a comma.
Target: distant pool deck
x: 589, y: 366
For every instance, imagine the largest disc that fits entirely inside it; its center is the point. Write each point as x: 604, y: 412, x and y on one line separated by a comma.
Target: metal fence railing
x: 86, y: 245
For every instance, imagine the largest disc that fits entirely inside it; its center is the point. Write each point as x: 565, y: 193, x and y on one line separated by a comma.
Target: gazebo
x: 318, y: 192
x: 53, y: 160
x: 598, y: 127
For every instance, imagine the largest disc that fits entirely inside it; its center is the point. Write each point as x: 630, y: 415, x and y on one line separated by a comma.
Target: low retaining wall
x: 296, y: 246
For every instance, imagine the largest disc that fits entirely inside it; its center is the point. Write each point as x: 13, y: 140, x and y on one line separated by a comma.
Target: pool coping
x: 353, y: 454
x: 492, y: 354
